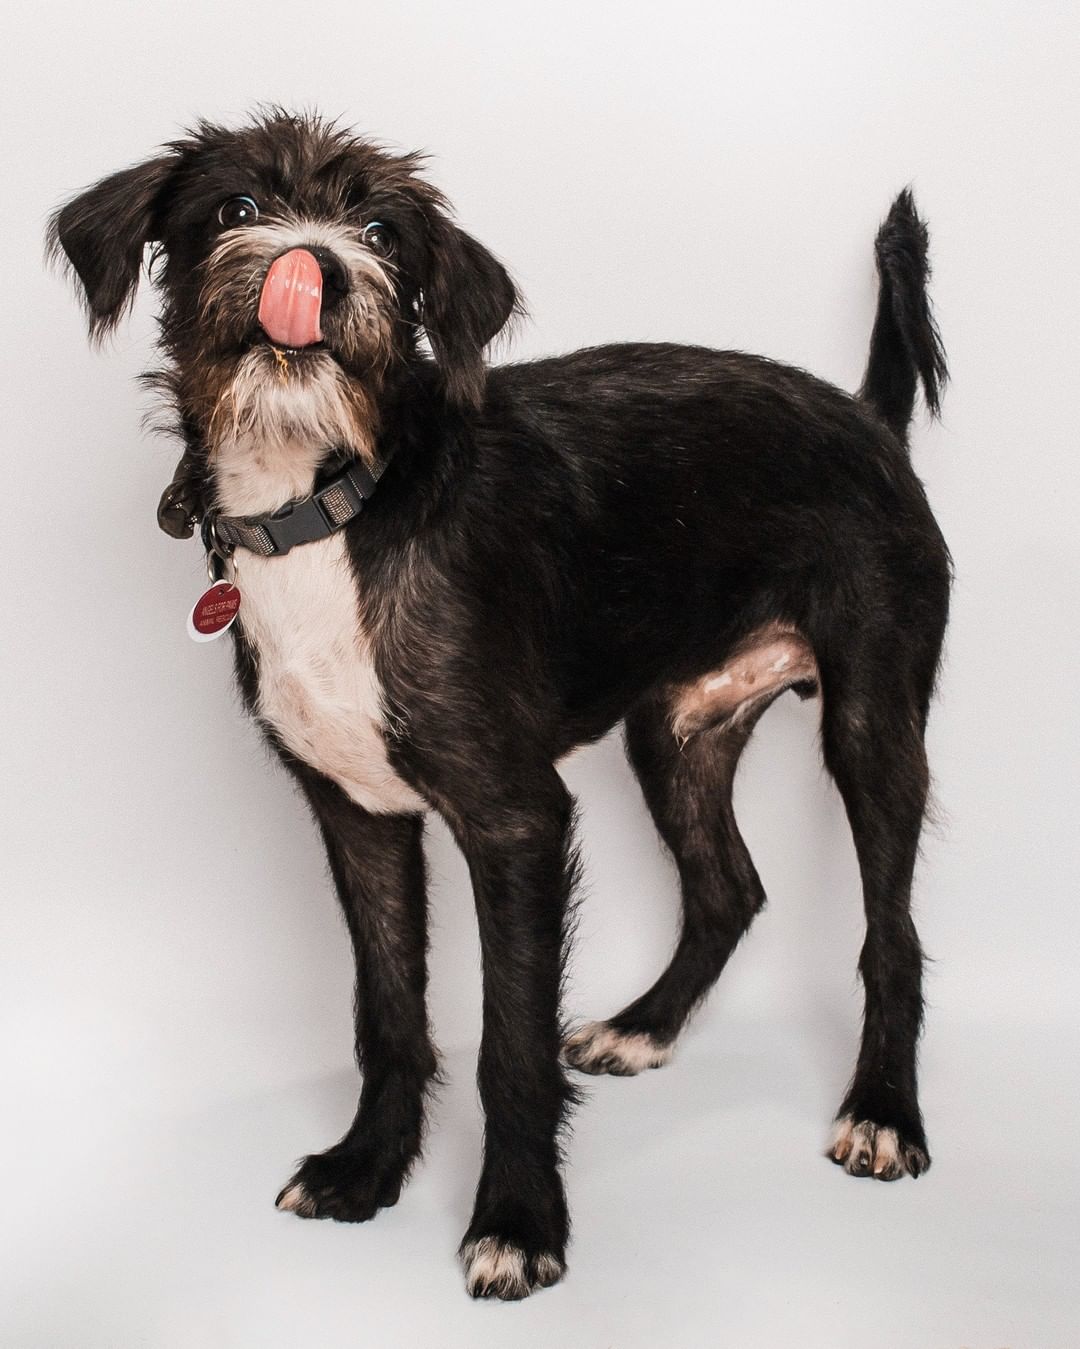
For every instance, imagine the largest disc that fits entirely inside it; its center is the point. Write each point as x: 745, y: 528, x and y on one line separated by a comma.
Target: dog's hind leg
x: 688, y: 789
x: 378, y: 869
x: 872, y: 730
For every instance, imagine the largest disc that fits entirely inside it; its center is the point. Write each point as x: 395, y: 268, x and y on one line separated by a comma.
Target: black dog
x: 665, y: 535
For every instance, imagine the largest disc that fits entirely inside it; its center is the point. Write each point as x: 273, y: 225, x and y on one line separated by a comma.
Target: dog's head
x: 297, y: 266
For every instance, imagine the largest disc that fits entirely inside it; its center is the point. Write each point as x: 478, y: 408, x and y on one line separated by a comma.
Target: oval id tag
x: 214, y: 612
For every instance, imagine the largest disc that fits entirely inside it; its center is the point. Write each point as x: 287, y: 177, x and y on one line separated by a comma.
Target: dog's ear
x: 467, y: 298
x: 102, y: 233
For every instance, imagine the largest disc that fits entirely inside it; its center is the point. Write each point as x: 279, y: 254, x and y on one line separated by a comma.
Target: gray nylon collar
x: 336, y: 500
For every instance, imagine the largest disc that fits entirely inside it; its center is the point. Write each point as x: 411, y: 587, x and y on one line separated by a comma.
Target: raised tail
x: 905, y: 346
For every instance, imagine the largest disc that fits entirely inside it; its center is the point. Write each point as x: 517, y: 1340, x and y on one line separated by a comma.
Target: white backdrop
x: 176, y: 984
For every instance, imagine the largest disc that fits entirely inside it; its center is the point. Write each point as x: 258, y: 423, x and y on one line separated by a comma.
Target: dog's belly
x: 318, y: 688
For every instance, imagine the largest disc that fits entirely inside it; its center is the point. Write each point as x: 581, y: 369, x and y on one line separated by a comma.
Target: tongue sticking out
x: 292, y: 299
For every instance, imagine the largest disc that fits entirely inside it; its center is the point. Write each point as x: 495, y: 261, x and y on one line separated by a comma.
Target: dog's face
x: 297, y: 265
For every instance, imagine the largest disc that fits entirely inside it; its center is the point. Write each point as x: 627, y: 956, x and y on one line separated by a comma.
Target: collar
x: 336, y: 500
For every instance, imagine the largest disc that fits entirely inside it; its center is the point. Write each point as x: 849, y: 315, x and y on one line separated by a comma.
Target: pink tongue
x: 292, y: 299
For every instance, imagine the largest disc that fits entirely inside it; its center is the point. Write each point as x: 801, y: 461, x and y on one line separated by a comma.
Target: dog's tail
x: 905, y: 346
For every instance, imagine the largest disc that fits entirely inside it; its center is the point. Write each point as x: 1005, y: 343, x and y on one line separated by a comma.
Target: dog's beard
x: 277, y: 397
x: 277, y: 419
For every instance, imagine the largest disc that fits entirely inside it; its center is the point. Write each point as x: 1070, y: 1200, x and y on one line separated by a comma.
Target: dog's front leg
x: 378, y: 869
x: 520, y: 858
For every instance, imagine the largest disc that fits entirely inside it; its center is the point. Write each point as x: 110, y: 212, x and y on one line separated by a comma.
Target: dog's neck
x: 270, y: 431
x: 252, y: 475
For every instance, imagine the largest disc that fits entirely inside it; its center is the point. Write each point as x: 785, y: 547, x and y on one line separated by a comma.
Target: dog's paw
x: 599, y: 1048
x: 349, y: 1187
x: 499, y: 1269
x: 863, y: 1148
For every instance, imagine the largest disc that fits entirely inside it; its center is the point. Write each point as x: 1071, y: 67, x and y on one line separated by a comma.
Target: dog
x: 453, y: 574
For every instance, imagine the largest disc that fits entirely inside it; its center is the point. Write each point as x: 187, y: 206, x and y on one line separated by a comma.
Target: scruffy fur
x: 661, y: 535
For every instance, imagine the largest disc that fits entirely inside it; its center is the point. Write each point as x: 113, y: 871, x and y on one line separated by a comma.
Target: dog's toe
x: 599, y: 1047
x: 499, y: 1269
x: 295, y: 1199
x: 864, y: 1148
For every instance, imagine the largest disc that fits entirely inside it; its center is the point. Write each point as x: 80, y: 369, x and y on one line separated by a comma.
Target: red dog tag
x: 214, y: 612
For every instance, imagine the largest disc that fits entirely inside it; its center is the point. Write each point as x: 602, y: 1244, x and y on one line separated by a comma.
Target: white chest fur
x: 317, y: 684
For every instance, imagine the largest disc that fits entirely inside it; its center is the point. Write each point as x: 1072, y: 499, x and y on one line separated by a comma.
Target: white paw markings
x: 295, y: 1199
x: 863, y: 1148
x: 499, y: 1269
x: 599, y: 1048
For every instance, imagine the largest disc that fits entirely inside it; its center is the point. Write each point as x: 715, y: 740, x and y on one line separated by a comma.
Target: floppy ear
x: 102, y: 233
x: 468, y: 297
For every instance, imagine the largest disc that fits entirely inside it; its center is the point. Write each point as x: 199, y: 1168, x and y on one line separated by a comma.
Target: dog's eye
x: 237, y: 211
x: 379, y: 238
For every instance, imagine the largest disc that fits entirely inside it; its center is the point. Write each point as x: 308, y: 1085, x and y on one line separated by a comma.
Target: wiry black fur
x: 905, y: 343
x: 557, y: 546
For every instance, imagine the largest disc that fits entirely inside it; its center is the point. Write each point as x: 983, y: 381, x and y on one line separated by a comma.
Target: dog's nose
x: 335, y: 277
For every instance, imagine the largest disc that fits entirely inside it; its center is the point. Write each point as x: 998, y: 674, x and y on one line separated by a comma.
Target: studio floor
x: 704, y: 1215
